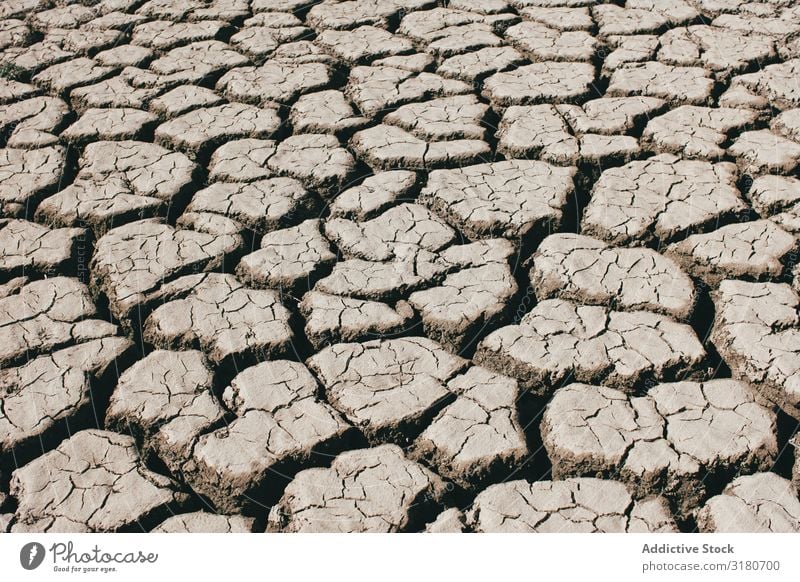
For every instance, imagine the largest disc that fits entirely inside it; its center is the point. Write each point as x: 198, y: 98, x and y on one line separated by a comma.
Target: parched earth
x: 399, y: 266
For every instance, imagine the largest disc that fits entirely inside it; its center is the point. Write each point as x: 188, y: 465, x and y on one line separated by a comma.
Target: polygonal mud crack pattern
x: 762, y: 503
x: 222, y: 317
x: 671, y: 441
x: 399, y: 265
x: 587, y: 270
x: 119, y: 182
x: 561, y: 339
x: 757, y: 332
x: 389, y: 388
x: 280, y: 424
x: 166, y: 399
x: 479, y: 436
x: 204, y: 522
x: 581, y: 505
x: 661, y: 198
x: 93, y: 464
x: 46, y: 315
x: 131, y: 262
x: 333, y: 500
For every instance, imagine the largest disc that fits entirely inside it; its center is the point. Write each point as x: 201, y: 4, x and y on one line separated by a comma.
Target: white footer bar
x: 354, y: 557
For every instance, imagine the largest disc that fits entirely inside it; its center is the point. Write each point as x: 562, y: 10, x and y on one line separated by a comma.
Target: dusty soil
x: 399, y: 265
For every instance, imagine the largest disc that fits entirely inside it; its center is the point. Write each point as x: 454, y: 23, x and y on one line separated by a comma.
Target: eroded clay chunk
x: 579, y: 505
x: 33, y: 249
x: 388, y: 388
x: 45, y: 315
x: 116, y: 92
x: 331, y: 319
x: 381, y: 281
x: 316, y: 160
x: 260, y: 42
x: 93, y: 481
x: 261, y: 206
x: 205, y: 522
x: 543, y: 43
x: 49, y: 397
x: 670, y: 441
x: 164, y: 35
x: 474, y: 66
x: 400, y: 232
x: 560, y: 339
x: 450, y: 520
x: 415, y: 62
x: 776, y: 83
x: 274, y: 82
x: 691, y: 85
x: 695, y: 132
x: 536, y: 131
x: 85, y: 41
x: 184, y: 99
x: 471, y: 301
x: 32, y: 123
x: 610, y: 115
x: 33, y: 58
x: 289, y: 260
x: 119, y: 182
x: 757, y: 333
x: 217, y: 314
x: 11, y: 91
x: 189, y: 64
x: 446, y: 118
x: 761, y: 503
x: 62, y: 78
x: 539, y: 131
x: 27, y: 176
x: 750, y: 250
x: 787, y: 123
x: 363, y: 44
x: 166, y: 399
x: 447, y: 32
x: 661, y: 198
x: 131, y: 262
x: 721, y: 50
x: 377, y: 88
x: 325, y: 112
x: 125, y: 55
x: 62, y: 17
x: 584, y: 269
x: 479, y: 436
x: 762, y: 151
x: 374, y: 490
x: 612, y: 19
x: 549, y: 81
x: 241, y: 160
x: 202, y: 130
x: 109, y: 124
x: 512, y: 199
x: 374, y: 195
x: 777, y: 198
x: 385, y: 147
x: 280, y: 425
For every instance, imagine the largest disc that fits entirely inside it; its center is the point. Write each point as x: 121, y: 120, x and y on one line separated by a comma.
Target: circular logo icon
x: 31, y: 555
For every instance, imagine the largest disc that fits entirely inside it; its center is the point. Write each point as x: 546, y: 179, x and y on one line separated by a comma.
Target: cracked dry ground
x: 399, y: 265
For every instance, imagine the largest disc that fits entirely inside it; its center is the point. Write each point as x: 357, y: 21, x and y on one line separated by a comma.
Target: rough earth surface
x: 399, y: 265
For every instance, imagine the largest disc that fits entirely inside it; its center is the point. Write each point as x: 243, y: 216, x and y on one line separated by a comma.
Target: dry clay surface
x: 399, y: 266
